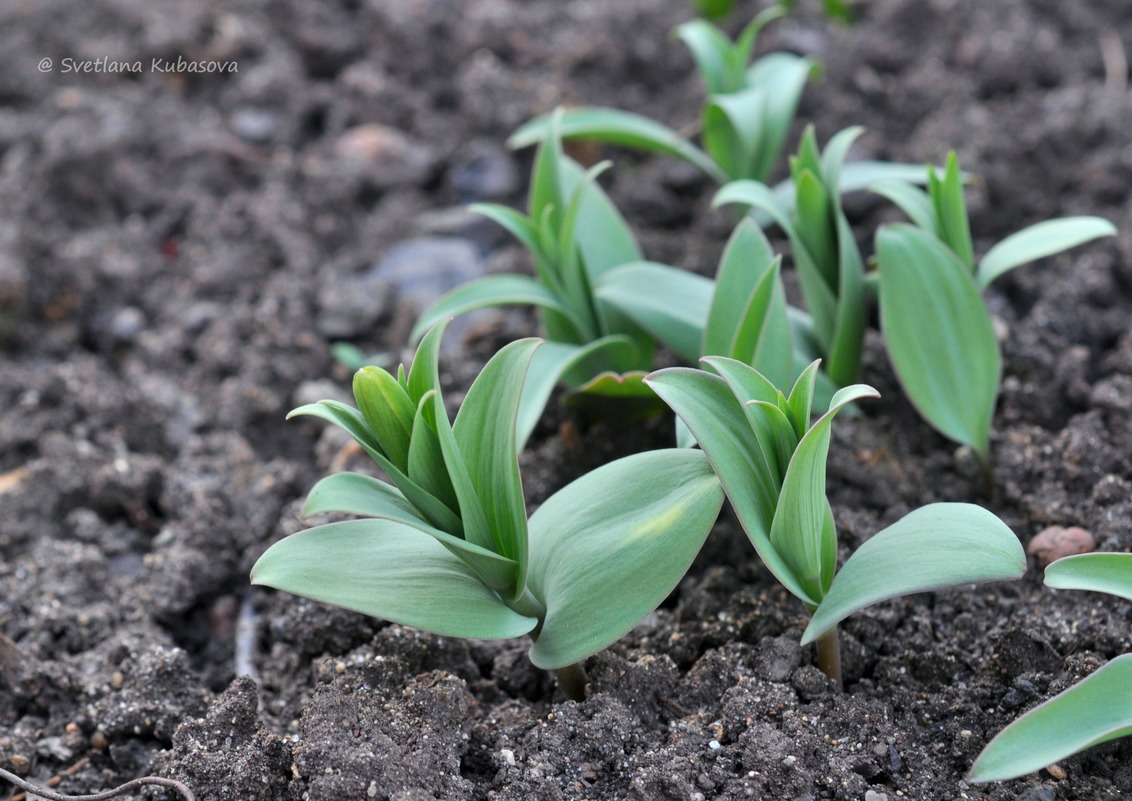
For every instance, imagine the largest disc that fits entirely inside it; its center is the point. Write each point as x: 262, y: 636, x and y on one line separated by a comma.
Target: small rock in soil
x: 1056, y: 542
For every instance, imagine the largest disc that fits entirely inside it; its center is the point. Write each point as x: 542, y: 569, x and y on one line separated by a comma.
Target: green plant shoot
x: 746, y: 116
x: 575, y: 235
x: 828, y: 262
x: 446, y: 545
x: 936, y: 328
x: 771, y: 463
x: 1093, y: 711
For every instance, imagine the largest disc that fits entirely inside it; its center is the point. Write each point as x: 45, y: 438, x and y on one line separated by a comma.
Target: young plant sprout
x: 938, y: 333
x: 826, y: 258
x: 742, y: 314
x: 575, y: 235
x: 746, y: 116
x: 446, y: 546
x: 1093, y: 711
x: 771, y: 463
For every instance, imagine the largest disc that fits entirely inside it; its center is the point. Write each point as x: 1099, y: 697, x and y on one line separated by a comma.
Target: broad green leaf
x: 844, y: 357
x: 609, y: 547
x: 618, y: 128
x: 575, y: 277
x: 746, y: 258
x: 350, y: 420
x: 1037, y: 242
x: 389, y: 570
x: 800, y: 404
x: 951, y: 210
x: 615, y: 354
x: 935, y: 546
x: 709, y: 47
x: 485, y: 434
x: 759, y: 399
x: 516, y: 223
x: 554, y: 362
x: 716, y: 418
x: 815, y: 222
x: 801, y: 531
x: 670, y: 304
x: 1093, y: 711
x: 617, y: 396
x: 356, y: 494
x: 388, y: 412
x: 762, y: 198
x: 426, y: 459
x: 713, y: 9
x: 494, y: 290
x: 424, y: 372
x: 605, y: 239
x: 763, y: 336
x: 744, y: 47
x: 476, y: 528
x: 546, y: 202
x: 1098, y: 572
x: 732, y: 127
x: 782, y: 77
x: 912, y: 200
x: 938, y: 334
x: 833, y: 158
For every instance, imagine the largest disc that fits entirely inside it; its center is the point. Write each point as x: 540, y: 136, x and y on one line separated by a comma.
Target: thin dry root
x: 51, y: 795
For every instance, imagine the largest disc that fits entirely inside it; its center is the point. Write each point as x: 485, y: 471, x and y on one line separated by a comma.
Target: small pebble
x: 873, y: 795
x: 508, y: 756
x: 1056, y: 771
x: 1054, y: 542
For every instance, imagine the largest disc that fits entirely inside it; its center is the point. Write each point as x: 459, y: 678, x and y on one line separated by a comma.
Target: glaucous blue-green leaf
x: 715, y: 417
x: 833, y: 157
x: 424, y: 372
x: 760, y: 401
x: 607, y: 241
x: 800, y: 403
x: 746, y: 258
x: 387, y: 410
x: 546, y: 200
x: 554, y: 362
x: 782, y: 76
x: 426, y: 459
x: 935, y: 546
x: 912, y: 200
x: 733, y: 127
x: 356, y: 494
x: 485, y: 433
x: 951, y: 210
x: 709, y: 47
x: 618, y: 127
x: 350, y: 420
x: 392, y: 571
x: 744, y: 47
x: 668, y: 303
x: 473, y: 518
x: 495, y: 290
x: 938, y: 334
x: 617, y: 396
x: 616, y: 353
x: 802, y: 530
x: 1098, y: 572
x: 762, y: 338
x: 515, y: 223
x: 844, y: 358
x: 1093, y: 711
x: 609, y: 547
x: 1037, y: 242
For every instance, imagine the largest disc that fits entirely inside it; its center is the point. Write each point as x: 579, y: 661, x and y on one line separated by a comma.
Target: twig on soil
x: 51, y: 795
x: 245, y: 639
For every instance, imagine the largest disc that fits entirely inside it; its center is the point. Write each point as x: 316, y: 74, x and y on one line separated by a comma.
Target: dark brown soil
x: 178, y: 251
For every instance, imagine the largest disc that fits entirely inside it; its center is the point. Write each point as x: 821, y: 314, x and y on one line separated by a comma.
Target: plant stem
x: 986, y: 472
x: 573, y: 679
x: 829, y: 655
x: 51, y: 795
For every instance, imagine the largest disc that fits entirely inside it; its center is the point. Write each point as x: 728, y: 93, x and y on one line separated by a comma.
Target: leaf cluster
x: 446, y: 544
x: 772, y: 462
